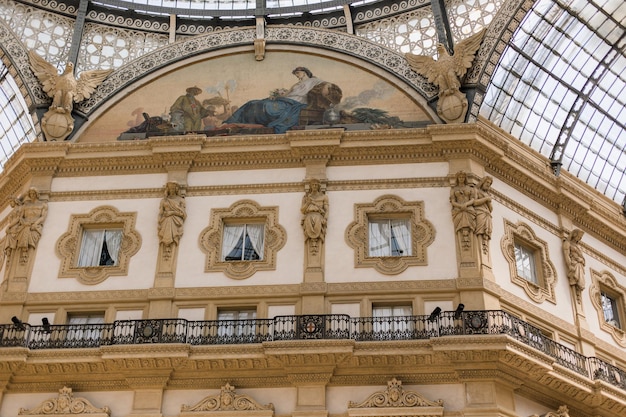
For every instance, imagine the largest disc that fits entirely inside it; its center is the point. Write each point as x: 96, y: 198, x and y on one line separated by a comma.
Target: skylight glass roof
x: 16, y: 126
x: 561, y: 88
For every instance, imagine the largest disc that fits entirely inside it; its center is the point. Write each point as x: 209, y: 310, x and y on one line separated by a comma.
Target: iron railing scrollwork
x: 307, y: 327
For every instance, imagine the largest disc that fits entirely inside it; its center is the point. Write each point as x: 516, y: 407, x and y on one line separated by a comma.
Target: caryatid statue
x: 26, y: 224
x: 315, y: 214
x: 575, y: 261
x: 172, y: 215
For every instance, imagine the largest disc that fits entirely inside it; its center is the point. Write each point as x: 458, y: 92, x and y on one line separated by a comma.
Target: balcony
x: 307, y: 327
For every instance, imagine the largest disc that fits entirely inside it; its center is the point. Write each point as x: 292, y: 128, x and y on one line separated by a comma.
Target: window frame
x: 244, y: 211
x: 105, y: 230
x: 89, y: 316
x: 244, y: 237
x: 374, y: 219
x: 605, y: 283
x: 246, y: 331
x: 534, y: 275
x: 614, y: 307
x: 69, y: 244
x: 521, y: 234
x: 392, y: 207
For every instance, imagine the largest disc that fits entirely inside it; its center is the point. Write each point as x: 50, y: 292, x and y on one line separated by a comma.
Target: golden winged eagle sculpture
x: 446, y: 73
x: 65, y: 90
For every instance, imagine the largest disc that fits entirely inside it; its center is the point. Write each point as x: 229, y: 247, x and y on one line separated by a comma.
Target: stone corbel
x: 259, y: 42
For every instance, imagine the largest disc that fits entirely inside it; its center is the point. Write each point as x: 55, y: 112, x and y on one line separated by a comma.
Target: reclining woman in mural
x: 282, y: 110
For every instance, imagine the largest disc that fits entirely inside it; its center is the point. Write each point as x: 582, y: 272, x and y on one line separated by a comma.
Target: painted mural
x: 235, y: 95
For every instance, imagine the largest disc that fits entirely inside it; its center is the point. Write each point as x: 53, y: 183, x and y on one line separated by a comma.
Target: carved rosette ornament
x: 66, y: 404
x: 396, y: 401
x: 227, y: 402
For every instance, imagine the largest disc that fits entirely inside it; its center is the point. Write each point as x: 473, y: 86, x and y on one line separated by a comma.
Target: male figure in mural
x: 315, y: 213
x: 189, y: 111
x: 172, y: 215
x: 462, y: 198
x: 575, y: 260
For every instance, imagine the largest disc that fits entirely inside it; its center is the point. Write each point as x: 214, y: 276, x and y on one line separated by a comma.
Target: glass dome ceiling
x: 559, y: 86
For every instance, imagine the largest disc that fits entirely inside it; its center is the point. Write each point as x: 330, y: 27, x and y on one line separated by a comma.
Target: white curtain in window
x: 91, y: 248
x: 232, y: 233
x: 402, y: 232
x: 75, y: 333
x: 114, y: 241
x: 234, y: 328
x: 392, y: 311
x: 379, y: 238
x: 390, y: 324
x: 255, y: 232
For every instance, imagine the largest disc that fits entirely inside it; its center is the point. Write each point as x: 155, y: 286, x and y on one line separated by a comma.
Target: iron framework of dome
x: 555, y: 79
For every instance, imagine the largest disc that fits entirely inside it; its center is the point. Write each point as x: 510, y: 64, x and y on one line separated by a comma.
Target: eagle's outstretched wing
x: 88, y: 82
x: 465, y: 51
x: 423, y: 65
x: 45, y: 72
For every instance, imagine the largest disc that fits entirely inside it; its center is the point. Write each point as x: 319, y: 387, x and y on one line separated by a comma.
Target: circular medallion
x: 476, y: 322
x: 57, y: 126
x: 148, y: 331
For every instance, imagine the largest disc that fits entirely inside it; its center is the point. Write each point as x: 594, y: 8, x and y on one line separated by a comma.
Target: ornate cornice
x: 449, y: 360
x: 503, y: 157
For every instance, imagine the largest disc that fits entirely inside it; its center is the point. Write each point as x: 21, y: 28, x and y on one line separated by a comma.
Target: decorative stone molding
x: 228, y: 403
x: 545, y: 270
x: 68, y: 245
x: 395, y: 401
x: 65, y: 404
x: 242, y: 212
x: 605, y: 282
x: 422, y: 234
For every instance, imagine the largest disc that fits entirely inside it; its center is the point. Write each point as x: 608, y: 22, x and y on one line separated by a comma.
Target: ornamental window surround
x: 522, y: 248
x: 255, y: 227
x: 609, y: 300
x: 81, y: 248
x: 370, y: 234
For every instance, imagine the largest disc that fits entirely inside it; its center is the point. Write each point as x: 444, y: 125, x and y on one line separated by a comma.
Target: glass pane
x: 244, y: 248
x: 525, y: 262
x: 610, y: 309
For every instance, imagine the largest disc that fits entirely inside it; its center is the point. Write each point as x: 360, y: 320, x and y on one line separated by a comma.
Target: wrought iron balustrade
x: 394, y: 328
x: 224, y: 332
x: 306, y: 327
